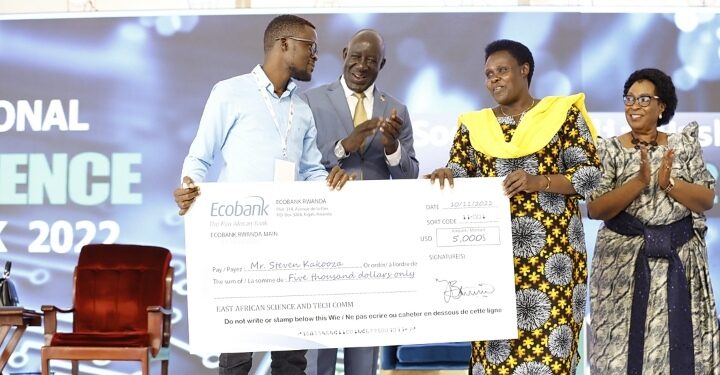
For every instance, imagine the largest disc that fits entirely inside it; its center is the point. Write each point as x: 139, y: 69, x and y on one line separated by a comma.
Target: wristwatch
x: 670, y: 186
x: 340, y: 150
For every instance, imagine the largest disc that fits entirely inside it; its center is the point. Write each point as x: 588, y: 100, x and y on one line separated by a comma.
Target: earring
x: 660, y: 117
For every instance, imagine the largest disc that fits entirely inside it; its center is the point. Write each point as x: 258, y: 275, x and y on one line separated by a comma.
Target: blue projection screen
x: 97, y: 114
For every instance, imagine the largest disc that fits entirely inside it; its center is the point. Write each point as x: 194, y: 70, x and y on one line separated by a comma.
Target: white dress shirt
x: 392, y: 159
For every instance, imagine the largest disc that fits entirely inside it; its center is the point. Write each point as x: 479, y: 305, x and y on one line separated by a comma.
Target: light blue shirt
x: 236, y: 123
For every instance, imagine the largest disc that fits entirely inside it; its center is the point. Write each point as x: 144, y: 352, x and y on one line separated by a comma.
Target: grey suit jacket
x: 334, y: 122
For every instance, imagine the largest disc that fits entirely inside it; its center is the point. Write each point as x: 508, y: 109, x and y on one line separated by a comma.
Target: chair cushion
x: 427, y: 353
x: 115, y: 284
x: 111, y: 339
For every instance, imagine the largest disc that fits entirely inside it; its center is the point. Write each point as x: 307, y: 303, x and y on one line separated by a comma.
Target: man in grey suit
x: 373, y: 147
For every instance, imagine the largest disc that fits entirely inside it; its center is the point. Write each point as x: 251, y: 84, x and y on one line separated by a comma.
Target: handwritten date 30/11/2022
x: 454, y: 205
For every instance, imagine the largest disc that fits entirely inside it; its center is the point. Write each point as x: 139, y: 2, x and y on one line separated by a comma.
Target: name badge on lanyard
x: 268, y: 104
x: 284, y: 170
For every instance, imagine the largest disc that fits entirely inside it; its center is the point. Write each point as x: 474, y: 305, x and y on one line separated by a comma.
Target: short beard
x: 300, y: 75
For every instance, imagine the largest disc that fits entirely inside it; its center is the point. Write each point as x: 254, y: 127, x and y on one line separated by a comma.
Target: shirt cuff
x: 393, y: 159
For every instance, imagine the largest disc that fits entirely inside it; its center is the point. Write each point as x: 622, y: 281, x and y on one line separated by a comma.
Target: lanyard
x: 268, y: 104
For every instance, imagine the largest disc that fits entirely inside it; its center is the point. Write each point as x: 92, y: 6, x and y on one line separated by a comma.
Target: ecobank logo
x: 248, y: 206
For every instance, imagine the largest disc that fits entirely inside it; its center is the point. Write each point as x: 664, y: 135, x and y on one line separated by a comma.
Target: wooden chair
x: 122, y: 308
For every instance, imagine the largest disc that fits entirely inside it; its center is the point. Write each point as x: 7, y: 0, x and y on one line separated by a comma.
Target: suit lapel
x: 379, y: 103
x: 379, y: 110
x: 337, y: 98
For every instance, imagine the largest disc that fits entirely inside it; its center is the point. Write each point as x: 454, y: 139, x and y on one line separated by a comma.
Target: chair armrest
x: 50, y: 320
x: 159, y: 336
x: 46, y: 308
x: 159, y: 309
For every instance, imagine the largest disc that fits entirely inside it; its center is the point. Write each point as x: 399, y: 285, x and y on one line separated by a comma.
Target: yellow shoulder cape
x: 535, y: 131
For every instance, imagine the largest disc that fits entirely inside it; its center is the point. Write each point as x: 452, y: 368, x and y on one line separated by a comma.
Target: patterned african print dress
x: 613, y: 265
x: 549, y: 250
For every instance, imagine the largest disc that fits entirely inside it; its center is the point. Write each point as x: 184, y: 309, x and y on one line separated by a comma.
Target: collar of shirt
x: 352, y: 101
x: 265, y: 82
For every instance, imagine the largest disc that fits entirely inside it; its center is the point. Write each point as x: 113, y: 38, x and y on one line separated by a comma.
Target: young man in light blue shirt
x: 260, y: 127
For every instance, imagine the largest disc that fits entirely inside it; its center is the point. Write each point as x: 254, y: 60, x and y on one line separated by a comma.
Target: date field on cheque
x: 468, y: 236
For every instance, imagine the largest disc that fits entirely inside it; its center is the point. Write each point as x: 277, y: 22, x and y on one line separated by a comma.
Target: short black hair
x: 282, y: 26
x: 518, y: 50
x: 664, y: 88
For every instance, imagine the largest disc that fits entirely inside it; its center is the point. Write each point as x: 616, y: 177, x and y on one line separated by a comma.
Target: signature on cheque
x: 451, y: 290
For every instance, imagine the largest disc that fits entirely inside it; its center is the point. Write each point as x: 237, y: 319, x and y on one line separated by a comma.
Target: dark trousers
x: 357, y: 361
x: 291, y: 362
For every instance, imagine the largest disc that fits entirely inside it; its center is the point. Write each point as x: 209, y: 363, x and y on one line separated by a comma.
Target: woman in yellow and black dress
x: 544, y: 148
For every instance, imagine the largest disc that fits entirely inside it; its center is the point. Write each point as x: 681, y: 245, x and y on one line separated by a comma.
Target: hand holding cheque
x: 185, y: 195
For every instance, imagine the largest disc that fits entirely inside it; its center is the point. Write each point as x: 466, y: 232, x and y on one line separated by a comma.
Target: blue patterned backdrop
x: 96, y: 115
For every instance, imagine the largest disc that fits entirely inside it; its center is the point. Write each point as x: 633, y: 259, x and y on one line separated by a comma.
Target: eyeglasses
x: 311, y: 43
x: 642, y: 100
